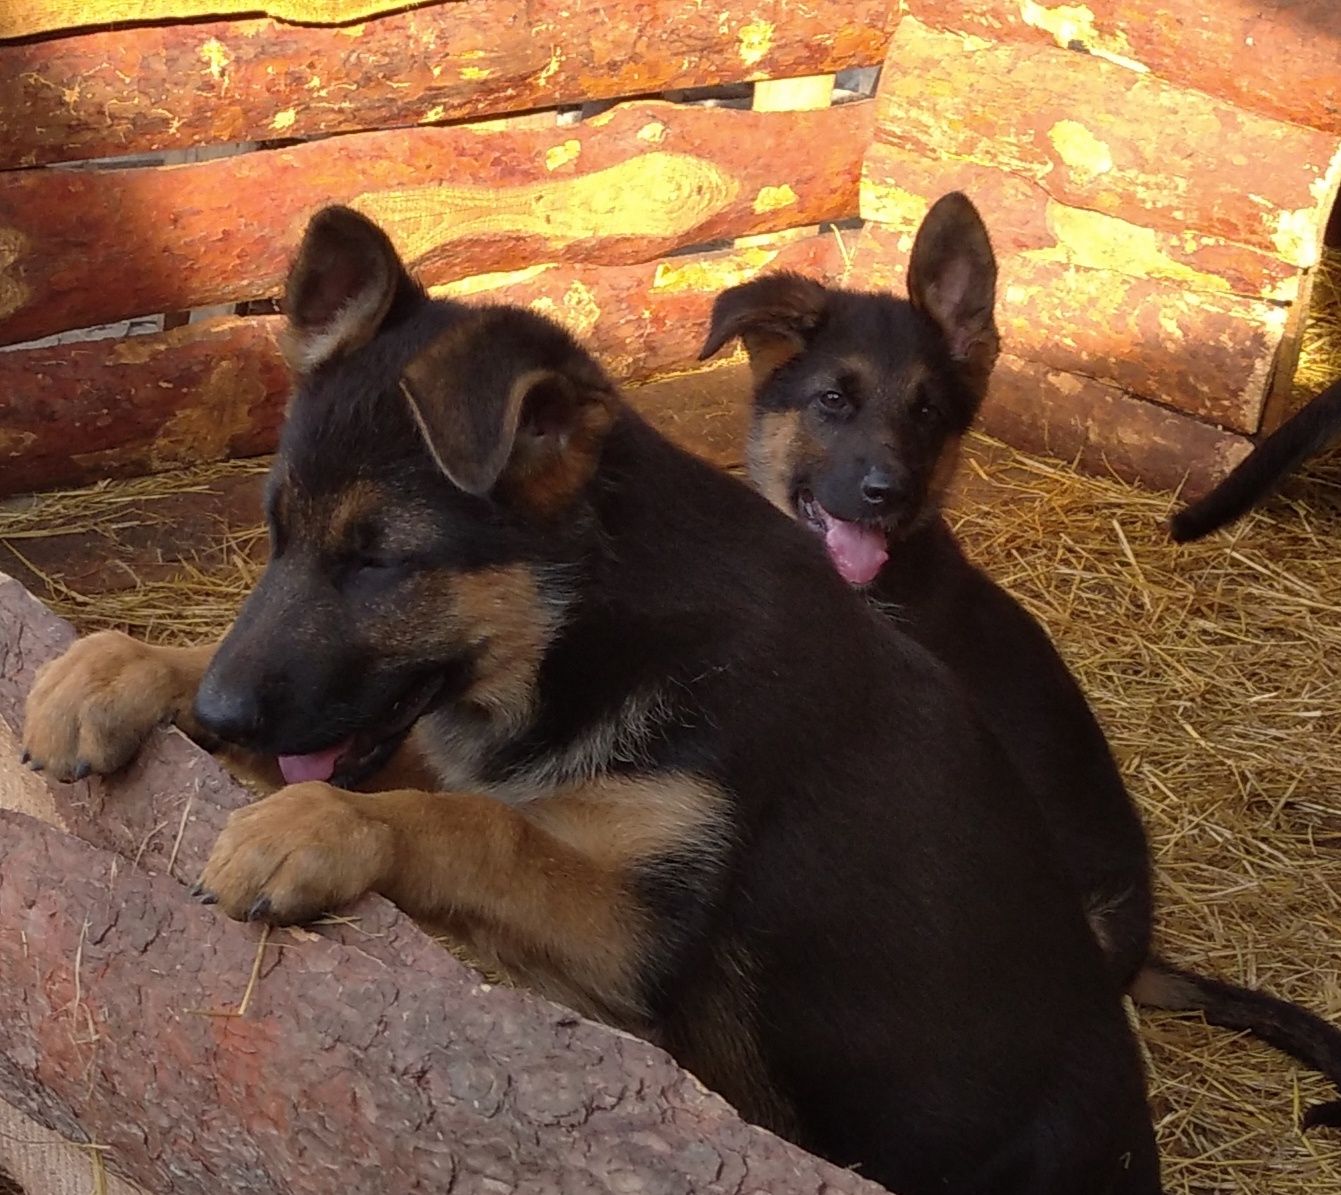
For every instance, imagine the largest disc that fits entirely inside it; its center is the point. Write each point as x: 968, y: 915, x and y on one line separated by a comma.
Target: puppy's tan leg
x: 91, y: 709
x: 549, y: 892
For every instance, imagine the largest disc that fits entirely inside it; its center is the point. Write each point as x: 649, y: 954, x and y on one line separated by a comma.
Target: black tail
x: 1306, y: 432
x: 1292, y: 1030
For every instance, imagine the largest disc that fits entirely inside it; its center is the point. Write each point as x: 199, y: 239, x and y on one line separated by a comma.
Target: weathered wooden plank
x: 1207, y: 354
x: 160, y: 87
x: 898, y: 187
x: 28, y: 18
x: 1098, y: 136
x: 76, y: 413
x: 1277, y: 57
x: 625, y: 186
x: 1105, y: 431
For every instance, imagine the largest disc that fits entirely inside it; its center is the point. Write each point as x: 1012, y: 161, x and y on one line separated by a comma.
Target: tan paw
x: 91, y: 709
x: 302, y: 852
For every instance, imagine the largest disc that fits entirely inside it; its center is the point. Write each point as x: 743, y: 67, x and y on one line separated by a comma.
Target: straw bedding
x: 1216, y: 670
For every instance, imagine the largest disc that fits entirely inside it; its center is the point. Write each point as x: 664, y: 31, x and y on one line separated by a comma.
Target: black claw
x: 260, y: 908
x: 83, y: 769
x: 25, y: 757
x: 35, y: 765
x: 205, y: 897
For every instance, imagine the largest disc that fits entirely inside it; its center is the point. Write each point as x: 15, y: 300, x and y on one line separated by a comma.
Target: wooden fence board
x: 76, y: 413
x: 126, y: 91
x: 1207, y: 354
x: 1277, y: 57
x: 1098, y: 136
x: 90, y: 247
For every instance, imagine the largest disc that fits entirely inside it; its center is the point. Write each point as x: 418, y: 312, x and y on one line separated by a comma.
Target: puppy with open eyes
x: 798, y: 862
x: 860, y: 402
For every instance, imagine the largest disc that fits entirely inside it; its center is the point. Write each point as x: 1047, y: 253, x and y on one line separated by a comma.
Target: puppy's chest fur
x: 514, y: 759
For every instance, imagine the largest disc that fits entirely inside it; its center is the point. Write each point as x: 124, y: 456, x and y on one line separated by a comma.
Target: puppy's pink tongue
x: 320, y: 765
x: 858, y: 552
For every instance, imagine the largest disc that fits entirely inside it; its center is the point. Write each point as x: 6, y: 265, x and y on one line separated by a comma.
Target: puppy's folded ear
x: 340, y: 288
x: 774, y: 315
x: 952, y: 277
x: 509, y: 404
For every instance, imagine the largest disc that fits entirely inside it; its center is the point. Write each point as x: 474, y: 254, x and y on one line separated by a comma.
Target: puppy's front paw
x: 91, y: 709
x: 302, y: 852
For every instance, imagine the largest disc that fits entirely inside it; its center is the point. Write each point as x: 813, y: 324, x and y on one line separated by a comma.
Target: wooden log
x: 1276, y: 57
x: 1101, y: 137
x: 125, y: 91
x: 1105, y: 431
x: 113, y: 408
x: 897, y: 188
x: 28, y: 18
x: 626, y: 186
x: 509, y: 1092
x: 1206, y: 354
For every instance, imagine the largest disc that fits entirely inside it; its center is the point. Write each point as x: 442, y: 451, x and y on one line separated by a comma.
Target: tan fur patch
x: 96, y: 704
x: 354, y: 505
x: 547, y: 892
x: 547, y: 483
x: 772, y: 453
x: 501, y: 612
x: 768, y: 353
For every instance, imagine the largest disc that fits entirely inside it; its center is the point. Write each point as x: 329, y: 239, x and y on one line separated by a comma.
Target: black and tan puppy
x: 860, y: 403
x: 796, y: 861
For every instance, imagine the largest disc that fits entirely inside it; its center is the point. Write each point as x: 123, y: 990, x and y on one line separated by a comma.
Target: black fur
x: 1307, y: 432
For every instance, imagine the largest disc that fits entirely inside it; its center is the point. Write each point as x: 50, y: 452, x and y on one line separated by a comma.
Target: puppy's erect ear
x: 507, y: 401
x: 339, y: 289
x: 774, y: 315
x: 952, y: 277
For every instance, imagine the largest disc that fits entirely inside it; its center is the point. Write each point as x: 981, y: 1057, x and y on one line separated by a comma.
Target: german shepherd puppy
x: 1307, y: 432
x: 799, y: 863
x: 859, y: 406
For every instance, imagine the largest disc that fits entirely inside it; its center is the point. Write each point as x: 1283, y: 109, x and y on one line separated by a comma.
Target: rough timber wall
x: 1158, y: 177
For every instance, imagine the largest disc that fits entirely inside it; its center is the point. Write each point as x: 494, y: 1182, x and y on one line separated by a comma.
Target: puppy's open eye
x: 833, y: 402
x: 922, y: 406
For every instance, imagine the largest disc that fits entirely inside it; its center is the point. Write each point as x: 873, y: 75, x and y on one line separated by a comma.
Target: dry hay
x: 1320, y: 346
x: 1214, y: 669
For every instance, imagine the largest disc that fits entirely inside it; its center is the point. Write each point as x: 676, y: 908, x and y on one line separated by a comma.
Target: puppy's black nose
x: 880, y: 489
x: 229, y: 712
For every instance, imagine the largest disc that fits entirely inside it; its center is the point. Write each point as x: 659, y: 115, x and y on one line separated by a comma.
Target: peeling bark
x: 626, y: 186
x: 80, y: 412
x: 1209, y: 355
x: 1276, y: 57
x: 1097, y: 136
x: 145, y: 88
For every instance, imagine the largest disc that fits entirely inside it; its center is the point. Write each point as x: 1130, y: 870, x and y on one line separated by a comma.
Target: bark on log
x: 898, y: 186
x: 114, y: 982
x: 1276, y: 57
x: 150, y: 88
x: 91, y: 247
x: 27, y: 18
x: 1101, y: 137
x: 113, y: 408
x: 1105, y: 431
x: 1206, y: 354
